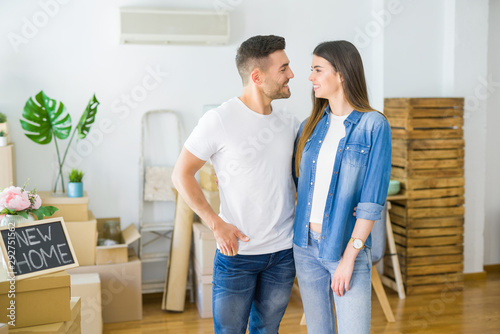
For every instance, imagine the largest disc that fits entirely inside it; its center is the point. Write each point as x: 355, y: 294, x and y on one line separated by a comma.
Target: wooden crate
x: 428, y: 160
x: 426, y: 172
x: 424, y: 118
x: 431, y: 283
x: 429, y: 242
x: 428, y: 166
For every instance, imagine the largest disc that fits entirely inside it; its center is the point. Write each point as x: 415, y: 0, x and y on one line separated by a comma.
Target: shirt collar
x: 353, y: 117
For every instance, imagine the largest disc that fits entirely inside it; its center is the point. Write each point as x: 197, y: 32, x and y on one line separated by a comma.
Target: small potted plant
x: 75, y: 185
x: 3, y: 138
x: 3, y: 129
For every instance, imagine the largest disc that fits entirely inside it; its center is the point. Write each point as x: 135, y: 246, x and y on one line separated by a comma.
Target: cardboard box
x: 116, y: 253
x: 88, y: 288
x: 76, y: 319
x: 71, y: 209
x: 203, y: 290
x: 212, y: 199
x: 208, y: 180
x: 121, y: 289
x: 67, y: 327
x: 38, y: 300
x: 4, y: 329
x: 204, y: 245
x: 76, y: 327
x: 83, y: 237
x: 7, y: 166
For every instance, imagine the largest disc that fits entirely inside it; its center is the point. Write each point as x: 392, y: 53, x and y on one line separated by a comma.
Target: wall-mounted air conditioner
x: 169, y: 26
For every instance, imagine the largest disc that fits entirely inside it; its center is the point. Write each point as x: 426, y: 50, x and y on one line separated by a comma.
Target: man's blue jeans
x: 353, y: 309
x: 251, y: 287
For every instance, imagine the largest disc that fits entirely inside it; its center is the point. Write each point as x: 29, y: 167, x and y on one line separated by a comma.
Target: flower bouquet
x: 18, y: 201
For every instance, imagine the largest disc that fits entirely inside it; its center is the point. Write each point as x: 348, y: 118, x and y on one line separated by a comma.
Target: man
x: 250, y: 145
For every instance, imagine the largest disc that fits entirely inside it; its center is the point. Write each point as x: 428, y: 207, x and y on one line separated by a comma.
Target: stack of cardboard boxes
x: 108, y: 280
x: 204, y: 251
x: 71, y: 326
x: 80, y: 224
x: 205, y: 245
x: 121, y: 286
x: 82, y: 231
x: 105, y: 288
x: 88, y: 288
x: 41, y: 304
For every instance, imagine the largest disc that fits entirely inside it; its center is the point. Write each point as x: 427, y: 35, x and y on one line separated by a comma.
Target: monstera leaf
x: 44, y: 117
x: 87, y: 118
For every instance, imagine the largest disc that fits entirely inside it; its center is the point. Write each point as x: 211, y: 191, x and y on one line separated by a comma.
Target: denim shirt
x: 360, y: 179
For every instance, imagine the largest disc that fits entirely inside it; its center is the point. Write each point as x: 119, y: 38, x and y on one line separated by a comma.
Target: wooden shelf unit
x: 428, y: 160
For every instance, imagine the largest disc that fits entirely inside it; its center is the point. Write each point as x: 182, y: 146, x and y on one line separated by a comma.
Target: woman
x: 342, y: 160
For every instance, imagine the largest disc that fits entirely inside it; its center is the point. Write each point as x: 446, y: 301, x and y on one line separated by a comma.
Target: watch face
x: 358, y: 243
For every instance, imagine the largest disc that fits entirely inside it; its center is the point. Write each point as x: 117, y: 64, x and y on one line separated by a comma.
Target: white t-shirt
x: 324, y: 167
x: 252, y: 157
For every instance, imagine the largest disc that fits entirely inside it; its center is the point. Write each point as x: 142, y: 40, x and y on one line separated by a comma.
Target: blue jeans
x: 315, y: 277
x: 251, y: 287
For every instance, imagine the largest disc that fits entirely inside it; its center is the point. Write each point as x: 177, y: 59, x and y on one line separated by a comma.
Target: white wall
x: 492, y: 197
x: 76, y: 53
x: 470, y: 68
x: 439, y: 48
x: 413, y: 50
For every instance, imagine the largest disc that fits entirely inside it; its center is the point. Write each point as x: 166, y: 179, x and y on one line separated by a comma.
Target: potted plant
x: 45, y: 118
x: 75, y: 185
x: 3, y: 126
x: 18, y: 205
x: 3, y: 138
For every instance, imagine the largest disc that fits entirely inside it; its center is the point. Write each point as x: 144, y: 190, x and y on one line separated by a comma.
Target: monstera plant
x: 46, y: 118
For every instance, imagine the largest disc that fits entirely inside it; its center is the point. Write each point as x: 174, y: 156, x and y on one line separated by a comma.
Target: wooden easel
x: 396, y: 284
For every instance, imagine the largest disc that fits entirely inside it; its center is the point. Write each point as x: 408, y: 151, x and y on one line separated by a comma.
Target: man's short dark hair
x: 254, y: 50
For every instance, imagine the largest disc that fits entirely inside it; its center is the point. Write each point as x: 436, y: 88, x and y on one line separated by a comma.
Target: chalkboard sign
x: 37, y: 248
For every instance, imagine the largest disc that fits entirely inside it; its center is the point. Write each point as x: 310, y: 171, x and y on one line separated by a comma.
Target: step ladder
x: 161, y: 143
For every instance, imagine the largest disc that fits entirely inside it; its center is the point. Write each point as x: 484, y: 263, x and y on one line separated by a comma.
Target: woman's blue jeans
x: 353, y: 309
x: 251, y: 290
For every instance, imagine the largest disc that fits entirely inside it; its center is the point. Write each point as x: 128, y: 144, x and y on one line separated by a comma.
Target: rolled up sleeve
x: 369, y: 211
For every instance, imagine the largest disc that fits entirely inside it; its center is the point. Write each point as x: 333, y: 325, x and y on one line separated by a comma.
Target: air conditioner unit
x: 169, y: 26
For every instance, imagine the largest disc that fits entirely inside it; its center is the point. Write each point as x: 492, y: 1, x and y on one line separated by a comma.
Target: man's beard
x: 276, y: 91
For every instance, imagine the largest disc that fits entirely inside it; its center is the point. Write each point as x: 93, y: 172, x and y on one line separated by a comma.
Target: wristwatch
x: 357, y: 243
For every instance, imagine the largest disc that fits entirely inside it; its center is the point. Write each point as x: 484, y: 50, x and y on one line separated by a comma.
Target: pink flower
x: 14, y: 199
x: 37, y: 202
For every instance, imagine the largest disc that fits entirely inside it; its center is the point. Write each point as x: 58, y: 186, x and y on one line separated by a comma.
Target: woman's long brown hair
x: 345, y: 59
